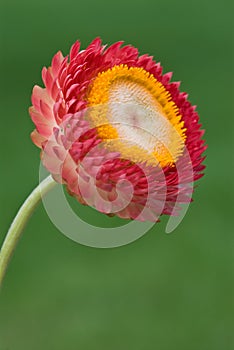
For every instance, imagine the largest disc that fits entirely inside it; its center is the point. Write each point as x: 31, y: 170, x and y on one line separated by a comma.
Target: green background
x: 163, y: 291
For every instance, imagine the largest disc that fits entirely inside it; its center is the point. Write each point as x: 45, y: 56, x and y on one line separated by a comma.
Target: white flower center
x: 137, y: 117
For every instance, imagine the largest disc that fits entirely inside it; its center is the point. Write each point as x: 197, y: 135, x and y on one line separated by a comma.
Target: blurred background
x: 163, y: 291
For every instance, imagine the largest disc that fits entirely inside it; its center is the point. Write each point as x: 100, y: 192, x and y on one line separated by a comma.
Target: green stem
x: 20, y: 221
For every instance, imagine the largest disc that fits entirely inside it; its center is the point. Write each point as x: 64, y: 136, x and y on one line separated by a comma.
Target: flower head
x: 117, y: 132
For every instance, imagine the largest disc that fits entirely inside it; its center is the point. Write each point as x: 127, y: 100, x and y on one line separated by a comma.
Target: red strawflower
x: 117, y: 132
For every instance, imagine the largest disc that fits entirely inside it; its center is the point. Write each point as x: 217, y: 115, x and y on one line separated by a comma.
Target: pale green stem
x: 20, y: 221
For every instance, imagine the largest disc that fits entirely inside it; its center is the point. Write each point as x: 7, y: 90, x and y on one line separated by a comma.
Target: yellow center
x: 134, y: 114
